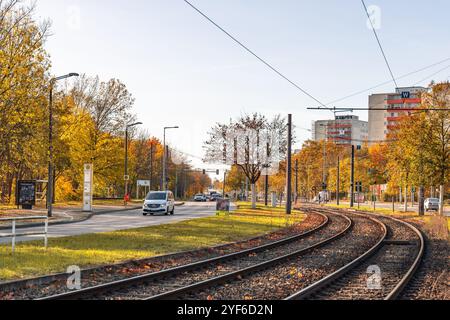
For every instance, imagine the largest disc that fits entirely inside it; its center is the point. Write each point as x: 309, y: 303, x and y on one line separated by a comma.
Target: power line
x: 379, y: 43
x: 379, y: 109
x: 187, y: 154
x: 254, y: 54
x: 431, y: 76
x: 387, y: 82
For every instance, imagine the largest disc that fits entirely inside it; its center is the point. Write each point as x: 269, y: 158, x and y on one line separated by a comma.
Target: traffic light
x: 359, y: 187
x: 217, y: 172
x: 204, y: 171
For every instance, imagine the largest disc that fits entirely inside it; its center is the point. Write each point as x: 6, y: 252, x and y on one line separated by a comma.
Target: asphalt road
x: 120, y: 221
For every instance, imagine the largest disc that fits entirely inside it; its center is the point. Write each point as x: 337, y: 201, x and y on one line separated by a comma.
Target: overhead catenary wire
x: 379, y: 44
x: 255, y: 55
x: 379, y: 109
x: 431, y: 76
x: 387, y: 82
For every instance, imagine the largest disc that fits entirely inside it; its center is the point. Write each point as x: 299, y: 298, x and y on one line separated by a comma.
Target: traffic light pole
x: 224, y: 182
x: 266, y: 196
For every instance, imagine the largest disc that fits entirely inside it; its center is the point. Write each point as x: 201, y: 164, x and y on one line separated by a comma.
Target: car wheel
x: 145, y: 214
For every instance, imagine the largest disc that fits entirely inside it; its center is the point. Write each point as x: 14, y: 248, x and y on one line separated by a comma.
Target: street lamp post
x: 50, y: 186
x: 165, y: 158
x: 126, y: 177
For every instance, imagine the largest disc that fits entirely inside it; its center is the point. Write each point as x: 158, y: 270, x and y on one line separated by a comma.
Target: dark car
x: 216, y: 196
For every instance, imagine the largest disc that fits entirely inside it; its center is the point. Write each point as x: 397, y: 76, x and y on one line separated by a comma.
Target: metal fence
x: 14, y: 234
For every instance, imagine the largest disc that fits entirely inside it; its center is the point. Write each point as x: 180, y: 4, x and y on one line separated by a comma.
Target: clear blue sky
x: 183, y: 71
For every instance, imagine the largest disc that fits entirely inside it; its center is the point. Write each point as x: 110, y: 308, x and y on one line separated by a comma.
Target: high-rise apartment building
x: 384, y: 110
x: 343, y: 130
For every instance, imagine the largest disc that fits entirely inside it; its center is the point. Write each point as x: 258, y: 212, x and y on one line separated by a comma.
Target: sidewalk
x: 386, y: 205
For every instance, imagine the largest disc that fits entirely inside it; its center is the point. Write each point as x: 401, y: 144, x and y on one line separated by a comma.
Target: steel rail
x: 172, y: 295
x: 395, y: 293
x: 116, y: 285
x: 415, y: 266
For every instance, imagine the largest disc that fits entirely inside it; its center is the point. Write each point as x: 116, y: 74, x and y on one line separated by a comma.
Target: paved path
x: 121, y: 221
x: 398, y: 207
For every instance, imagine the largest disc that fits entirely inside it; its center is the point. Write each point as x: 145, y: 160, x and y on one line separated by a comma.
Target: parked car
x: 432, y: 204
x: 200, y: 198
x: 160, y: 201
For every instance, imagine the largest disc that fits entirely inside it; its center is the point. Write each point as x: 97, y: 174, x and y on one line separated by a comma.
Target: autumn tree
x: 438, y: 101
x: 104, y: 109
x: 253, y: 143
x: 23, y: 86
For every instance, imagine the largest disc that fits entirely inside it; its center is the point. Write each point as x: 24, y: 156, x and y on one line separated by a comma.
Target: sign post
x: 142, y: 183
x: 88, y: 187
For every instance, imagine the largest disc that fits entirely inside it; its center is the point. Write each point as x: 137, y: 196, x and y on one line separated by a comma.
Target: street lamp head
x: 134, y: 124
x: 73, y: 74
x: 167, y: 128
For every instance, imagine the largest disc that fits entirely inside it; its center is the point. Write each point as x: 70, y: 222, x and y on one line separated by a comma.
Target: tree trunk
x: 421, y: 201
x: 253, y: 196
x: 406, y: 199
x: 441, y: 200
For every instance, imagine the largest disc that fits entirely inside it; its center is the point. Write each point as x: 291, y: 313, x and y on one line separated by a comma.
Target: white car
x: 200, y: 198
x: 432, y: 204
x: 159, y: 201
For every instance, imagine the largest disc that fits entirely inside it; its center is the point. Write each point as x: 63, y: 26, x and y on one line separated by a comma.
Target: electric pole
x: 296, y: 181
x: 176, y: 182
x: 289, y: 167
x: 266, y: 197
x: 338, y: 183
x: 151, y: 165
x: 352, y: 183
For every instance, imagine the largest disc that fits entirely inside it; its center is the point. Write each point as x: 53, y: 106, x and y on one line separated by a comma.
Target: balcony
x: 405, y: 101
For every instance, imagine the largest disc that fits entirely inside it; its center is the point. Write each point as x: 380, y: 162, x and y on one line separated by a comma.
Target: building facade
x: 343, y: 130
x: 384, y: 112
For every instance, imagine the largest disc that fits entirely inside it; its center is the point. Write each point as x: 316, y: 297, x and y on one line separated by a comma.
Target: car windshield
x: 434, y: 200
x: 156, y: 196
